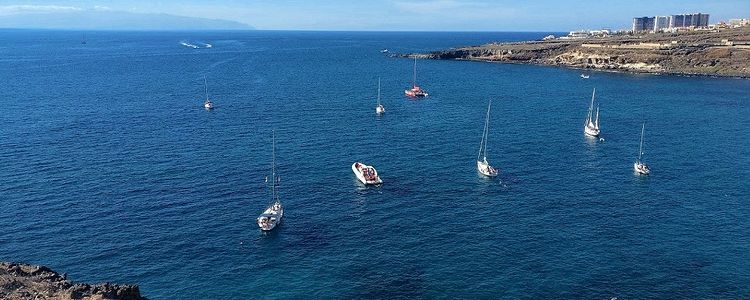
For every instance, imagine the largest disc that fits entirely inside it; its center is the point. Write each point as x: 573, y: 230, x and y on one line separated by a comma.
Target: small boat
x: 584, y: 76
x: 207, y: 104
x: 274, y: 213
x: 483, y: 166
x: 384, y: 51
x: 366, y: 174
x: 591, y: 127
x: 638, y: 165
x: 380, y: 109
x: 415, y: 91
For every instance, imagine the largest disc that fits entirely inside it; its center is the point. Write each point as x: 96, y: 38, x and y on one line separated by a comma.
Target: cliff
x: 22, y: 281
x: 716, y: 53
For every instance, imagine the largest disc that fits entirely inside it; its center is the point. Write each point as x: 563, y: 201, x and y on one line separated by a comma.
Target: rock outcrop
x: 715, y: 53
x: 22, y: 281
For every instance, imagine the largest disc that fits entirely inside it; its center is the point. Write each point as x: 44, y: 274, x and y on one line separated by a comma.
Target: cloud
x: 17, y: 9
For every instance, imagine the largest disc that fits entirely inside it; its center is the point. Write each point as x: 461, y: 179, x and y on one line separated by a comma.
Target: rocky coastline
x: 724, y: 53
x: 23, y: 281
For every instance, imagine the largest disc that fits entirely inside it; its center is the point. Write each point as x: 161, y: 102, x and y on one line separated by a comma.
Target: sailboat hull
x: 486, y: 170
x: 379, y: 109
x: 271, y: 217
x: 641, y: 168
x: 591, y: 131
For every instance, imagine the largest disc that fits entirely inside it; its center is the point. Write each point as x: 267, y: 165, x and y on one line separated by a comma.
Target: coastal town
x: 678, y: 44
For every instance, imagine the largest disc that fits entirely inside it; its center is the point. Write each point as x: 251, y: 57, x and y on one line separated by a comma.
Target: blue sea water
x: 112, y: 171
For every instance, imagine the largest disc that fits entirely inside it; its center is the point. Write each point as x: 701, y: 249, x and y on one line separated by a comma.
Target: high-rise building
x: 643, y: 24
x: 688, y: 20
x: 677, y: 21
x: 702, y: 20
x: 661, y: 22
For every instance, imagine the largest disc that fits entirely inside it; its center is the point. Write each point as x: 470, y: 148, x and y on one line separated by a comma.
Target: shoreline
x: 720, y: 54
x: 24, y: 281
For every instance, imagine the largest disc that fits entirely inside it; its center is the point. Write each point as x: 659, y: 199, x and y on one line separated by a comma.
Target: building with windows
x: 643, y: 24
x: 661, y: 23
x: 688, y: 20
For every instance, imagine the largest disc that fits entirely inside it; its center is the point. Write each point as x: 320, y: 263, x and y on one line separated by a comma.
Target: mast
x: 414, y: 80
x: 205, y: 84
x: 597, y: 117
x: 273, y: 167
x: 640, y: 149
x: 483, y: 143
x: 591, y: 108
x: 378, y: 91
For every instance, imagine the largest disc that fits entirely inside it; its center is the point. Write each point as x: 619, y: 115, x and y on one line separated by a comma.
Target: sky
x: 397, y: 15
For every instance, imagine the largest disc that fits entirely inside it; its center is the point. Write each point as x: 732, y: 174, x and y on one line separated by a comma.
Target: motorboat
x: 366, y: 174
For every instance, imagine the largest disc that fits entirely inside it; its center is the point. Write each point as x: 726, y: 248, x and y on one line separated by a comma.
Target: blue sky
x: 439, y: 15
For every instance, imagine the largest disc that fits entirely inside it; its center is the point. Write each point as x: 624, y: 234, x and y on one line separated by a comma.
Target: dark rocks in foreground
x: 22, y: 281
x: 715, y: 53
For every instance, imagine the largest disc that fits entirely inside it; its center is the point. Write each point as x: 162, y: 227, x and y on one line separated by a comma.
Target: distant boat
x: 483, y: 166
x: 592, y: 123
x: 384, y: 51
x: 379, y: 109
x: 415, y: 91
x: 208, y: 104
x: 584, y: 76
x: 189, y: 45
x: 638, y: 165
x: 83, y: 39
x: 366, y: 174
x: 274, y: 213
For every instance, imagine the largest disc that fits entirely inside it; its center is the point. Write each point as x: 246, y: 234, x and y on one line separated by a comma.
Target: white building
x: 661, y: 23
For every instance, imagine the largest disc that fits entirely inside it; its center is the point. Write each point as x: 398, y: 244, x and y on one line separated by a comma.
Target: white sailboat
x: 638, y: 165
x: 271, y: 217
x: 208, y: 104
x: 483, y: 166
x: 592, y: 122
x: 380, y: 109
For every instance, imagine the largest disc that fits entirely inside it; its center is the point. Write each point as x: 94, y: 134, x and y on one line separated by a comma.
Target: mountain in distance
x: 114, y: 20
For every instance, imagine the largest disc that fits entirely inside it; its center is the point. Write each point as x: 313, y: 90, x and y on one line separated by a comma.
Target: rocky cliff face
x: 22, y: 281
x: 724, y: 53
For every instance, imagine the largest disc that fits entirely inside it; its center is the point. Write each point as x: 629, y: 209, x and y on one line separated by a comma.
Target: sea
x: 112, y: 171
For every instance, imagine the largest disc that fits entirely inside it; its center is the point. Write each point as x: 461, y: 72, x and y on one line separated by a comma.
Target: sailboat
x: 592, y: 123
x: 380, y: 109
x: 208, y: 104
x: 415, y: 91
x: 638, y: 165
x: 271, y: 217
x: 482, y: 165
